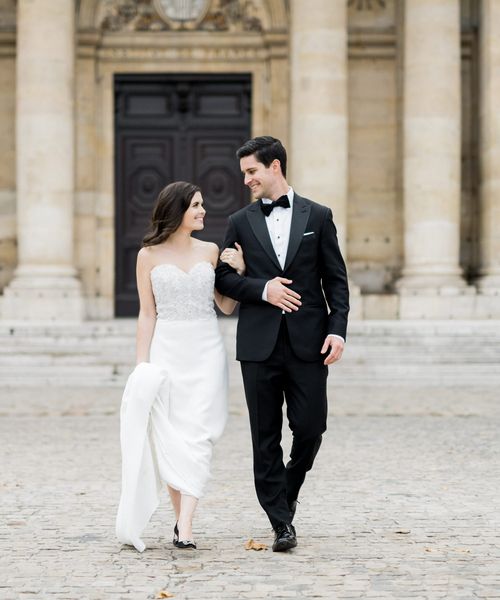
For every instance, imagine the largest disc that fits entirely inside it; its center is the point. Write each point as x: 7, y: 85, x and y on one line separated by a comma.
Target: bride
x: 178, y: 331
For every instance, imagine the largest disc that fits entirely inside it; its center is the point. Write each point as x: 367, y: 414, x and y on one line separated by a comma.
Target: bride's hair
x: 171, y: 204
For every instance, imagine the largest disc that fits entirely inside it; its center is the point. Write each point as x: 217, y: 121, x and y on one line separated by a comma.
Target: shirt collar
x: 290, y: 194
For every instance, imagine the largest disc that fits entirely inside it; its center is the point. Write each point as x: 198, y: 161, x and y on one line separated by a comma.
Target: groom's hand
x: 281, y: 296
x: 336, y: 347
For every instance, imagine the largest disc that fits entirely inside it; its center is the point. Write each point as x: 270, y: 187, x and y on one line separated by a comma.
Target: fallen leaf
x: 404, y: 531
x: 253, y: 545
x: 164, y: 594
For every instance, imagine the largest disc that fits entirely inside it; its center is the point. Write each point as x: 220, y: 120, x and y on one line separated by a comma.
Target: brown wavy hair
x: 171, y: 204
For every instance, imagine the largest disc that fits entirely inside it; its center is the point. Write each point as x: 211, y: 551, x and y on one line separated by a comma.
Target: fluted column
x: 318, y: 125
x: 431, y: 123
x: 45, y: 284
x: 490, y: 147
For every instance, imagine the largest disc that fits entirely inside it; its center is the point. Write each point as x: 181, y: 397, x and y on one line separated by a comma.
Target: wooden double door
x: 170, y: 128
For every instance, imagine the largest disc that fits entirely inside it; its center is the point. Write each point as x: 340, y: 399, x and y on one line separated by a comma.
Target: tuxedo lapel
x: 257, y: 222
x: 300, y: 216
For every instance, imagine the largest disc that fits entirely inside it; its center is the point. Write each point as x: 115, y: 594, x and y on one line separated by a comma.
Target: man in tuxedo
x: 292, y: 324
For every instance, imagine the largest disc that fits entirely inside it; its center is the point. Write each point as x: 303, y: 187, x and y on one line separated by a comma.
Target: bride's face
x: 195, y: 214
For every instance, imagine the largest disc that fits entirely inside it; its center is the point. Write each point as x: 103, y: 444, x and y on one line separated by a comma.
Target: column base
x: 43, y: 294
x: 489, y: 284
x: 446, y: 302
x: 488, y: 299
x: 432, y: 283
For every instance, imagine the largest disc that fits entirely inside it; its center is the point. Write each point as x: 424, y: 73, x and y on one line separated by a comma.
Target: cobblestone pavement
x: 403, y: 502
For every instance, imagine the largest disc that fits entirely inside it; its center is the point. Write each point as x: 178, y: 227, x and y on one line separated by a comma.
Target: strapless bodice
x: 181, y: 295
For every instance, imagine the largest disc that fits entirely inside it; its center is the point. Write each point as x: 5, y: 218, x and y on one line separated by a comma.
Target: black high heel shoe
x: 182, y: 543
x: 185, y: 544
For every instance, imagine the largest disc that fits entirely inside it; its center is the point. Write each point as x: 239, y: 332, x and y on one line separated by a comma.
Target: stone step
x: 367, y: 338
x: 102, y: 353
x: 396, y: 339
x: 27, y: 360
x: 107, y: 375
x: 389, y: 347
x: 352, y: 356
x: 127, y: 327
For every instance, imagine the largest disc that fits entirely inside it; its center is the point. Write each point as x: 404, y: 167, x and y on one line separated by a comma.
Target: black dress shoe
x: 176, y: 535
x: 284, y: 538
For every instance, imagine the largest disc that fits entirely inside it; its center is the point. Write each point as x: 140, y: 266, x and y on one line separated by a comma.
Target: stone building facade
x: 388, y: 108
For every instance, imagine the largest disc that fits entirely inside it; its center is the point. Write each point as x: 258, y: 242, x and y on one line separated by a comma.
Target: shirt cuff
x: 337, y: 336
x: 264, y: 292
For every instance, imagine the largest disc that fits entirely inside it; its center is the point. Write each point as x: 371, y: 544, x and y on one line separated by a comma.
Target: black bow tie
x: 267, y: 209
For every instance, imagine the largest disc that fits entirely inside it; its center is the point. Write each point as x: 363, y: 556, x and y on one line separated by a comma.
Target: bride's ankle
x: 184, y: 526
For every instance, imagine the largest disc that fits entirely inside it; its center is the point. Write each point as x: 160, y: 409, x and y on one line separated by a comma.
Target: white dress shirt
x: 278, y: 224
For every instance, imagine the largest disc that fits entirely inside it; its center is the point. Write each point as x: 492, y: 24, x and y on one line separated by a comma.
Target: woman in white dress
x: 178, y: 330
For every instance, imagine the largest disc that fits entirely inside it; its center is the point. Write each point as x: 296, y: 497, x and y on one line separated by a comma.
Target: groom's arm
x: 227, y: 280
x: 334, y: 278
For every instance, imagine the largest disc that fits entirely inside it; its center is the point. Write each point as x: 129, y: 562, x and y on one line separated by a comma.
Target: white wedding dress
x: 174, y: 408
x: 187, y: 344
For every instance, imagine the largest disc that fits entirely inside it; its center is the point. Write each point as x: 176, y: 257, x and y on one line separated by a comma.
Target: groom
x: 292, y: 324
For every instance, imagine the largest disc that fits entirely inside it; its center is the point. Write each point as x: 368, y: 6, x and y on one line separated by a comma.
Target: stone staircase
x: 447, y: 353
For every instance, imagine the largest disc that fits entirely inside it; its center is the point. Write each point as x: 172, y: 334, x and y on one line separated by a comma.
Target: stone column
x: 45, y: 284
x: 318, y: 102
x: 490, y: 147
x: 431, y: 129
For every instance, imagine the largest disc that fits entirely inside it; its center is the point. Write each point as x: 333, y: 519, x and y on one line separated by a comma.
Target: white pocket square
x: 308, y: 233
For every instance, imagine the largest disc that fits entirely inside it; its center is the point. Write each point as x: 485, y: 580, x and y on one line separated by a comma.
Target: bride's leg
x: 188, y: 506
x: 175, y: 497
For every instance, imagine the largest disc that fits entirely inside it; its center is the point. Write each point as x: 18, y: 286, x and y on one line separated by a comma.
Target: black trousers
x: 303, y: 386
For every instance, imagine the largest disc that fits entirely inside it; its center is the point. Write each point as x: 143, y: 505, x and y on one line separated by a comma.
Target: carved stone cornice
x: 366, y: 4
x: 141, y: 15
x: 377, y: 43
x: 180, y: 55
x: 88, y: 42
x: 182, y: 47
x: 277, y: 44
x: 7, y: 44
x: 372, y: 43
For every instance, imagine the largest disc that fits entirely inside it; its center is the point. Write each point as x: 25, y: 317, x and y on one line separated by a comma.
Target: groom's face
x: 259, y: 178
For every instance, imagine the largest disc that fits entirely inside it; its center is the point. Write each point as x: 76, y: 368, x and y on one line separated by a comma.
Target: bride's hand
x: 234, y: 258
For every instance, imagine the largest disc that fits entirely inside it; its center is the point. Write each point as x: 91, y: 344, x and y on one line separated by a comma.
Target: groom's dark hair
x: 266, y: 149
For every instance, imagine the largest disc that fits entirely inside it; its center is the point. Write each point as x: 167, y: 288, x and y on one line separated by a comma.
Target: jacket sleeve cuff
x: 264, y: 292
x: 337, y: 336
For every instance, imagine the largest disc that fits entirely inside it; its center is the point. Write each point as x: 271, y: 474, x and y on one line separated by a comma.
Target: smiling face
x: 195, y: 214
x: 264, y: 182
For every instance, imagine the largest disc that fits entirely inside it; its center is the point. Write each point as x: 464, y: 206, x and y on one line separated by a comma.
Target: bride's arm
x: 235, y: 259
x: 147, y: 311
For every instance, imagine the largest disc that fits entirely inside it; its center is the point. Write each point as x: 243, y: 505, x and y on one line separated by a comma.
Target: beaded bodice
x: 181, y: 295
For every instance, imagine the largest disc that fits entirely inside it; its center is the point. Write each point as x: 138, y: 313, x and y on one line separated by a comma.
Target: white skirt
x: 186, y: 423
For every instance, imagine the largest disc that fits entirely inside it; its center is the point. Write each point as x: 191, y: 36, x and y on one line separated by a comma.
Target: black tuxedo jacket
x: 314, y: 264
